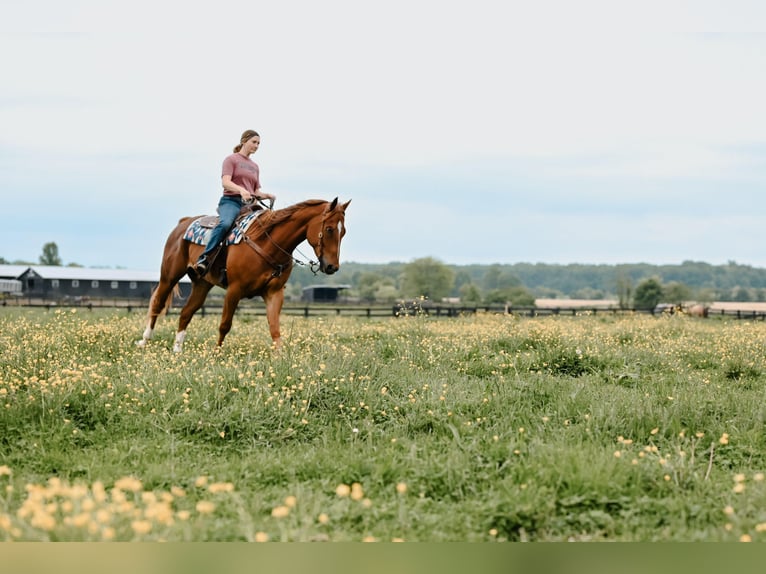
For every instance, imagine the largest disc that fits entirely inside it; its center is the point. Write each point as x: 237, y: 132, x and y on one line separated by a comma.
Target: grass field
x: 414, y: 429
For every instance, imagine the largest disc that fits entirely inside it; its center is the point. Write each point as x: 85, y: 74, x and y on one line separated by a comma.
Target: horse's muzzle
x: 329, y: 269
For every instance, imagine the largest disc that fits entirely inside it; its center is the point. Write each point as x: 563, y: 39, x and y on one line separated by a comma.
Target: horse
x: 259, y: 265
x: 698, y: 310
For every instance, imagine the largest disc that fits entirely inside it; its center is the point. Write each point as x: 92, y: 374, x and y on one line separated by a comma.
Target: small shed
x: 322, y: 293
x: 10, y: 287
x: 9, y: 279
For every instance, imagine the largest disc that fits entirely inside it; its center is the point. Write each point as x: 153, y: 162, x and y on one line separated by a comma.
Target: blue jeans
x: 228, y: 210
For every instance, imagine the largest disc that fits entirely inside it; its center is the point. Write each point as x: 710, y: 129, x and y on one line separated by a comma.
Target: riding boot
x: 201, y: 266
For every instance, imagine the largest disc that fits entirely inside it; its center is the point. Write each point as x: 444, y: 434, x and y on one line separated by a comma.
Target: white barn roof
x: 12, y: 271
x: 84, y: 273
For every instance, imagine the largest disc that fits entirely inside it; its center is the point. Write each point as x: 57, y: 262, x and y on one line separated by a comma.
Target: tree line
x: 633, y: 285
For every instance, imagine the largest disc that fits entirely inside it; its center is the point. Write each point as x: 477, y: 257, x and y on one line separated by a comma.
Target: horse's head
x: 325, y: 233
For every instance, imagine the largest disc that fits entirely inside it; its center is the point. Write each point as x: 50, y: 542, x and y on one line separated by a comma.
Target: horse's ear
x: 333, y: 205
x: 345, y: 205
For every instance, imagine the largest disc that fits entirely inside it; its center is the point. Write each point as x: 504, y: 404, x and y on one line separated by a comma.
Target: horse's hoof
x: 141, y: 343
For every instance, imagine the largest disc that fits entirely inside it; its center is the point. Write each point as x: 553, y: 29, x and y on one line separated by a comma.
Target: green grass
x: 471, y: 429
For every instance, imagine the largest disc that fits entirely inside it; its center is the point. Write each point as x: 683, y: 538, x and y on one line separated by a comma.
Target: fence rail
x: 369, y: 311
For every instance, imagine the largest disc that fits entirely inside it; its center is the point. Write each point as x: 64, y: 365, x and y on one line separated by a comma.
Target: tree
x: 387, y: 293
x: 3, y: 261
x: 676, y: 293
x: 462, y: 278
x: 427, y: 277
x: 369, y: 285
x: 498, y: 278
x: 469, y: 293
x: 588, y: 293
x: 50, y: 255
x: 624, y: 290
x: 515, y: 296
x: 648, y: 294
x: 741, y: 294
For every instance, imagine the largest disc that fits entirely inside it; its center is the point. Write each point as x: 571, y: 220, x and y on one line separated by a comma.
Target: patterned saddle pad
x: 200, y: 230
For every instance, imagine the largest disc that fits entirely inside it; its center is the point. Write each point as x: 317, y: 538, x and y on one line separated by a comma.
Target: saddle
x: 200, y: 230
x: 210, y: 221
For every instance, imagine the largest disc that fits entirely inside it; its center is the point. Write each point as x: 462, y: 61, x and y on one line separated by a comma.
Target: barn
x: 77, y: 283
x: 322, y: 293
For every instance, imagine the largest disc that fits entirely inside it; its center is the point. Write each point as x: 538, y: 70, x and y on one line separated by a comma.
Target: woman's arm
x: 246, y: 195
x: 229, y: 185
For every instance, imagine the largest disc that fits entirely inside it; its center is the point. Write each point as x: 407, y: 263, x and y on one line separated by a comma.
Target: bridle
x: 279, y: 268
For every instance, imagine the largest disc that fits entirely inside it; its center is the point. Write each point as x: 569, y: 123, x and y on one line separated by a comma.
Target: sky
x: 596, y: 131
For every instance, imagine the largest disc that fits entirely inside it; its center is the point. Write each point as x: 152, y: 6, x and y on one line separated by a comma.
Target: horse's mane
x: 270, y: 219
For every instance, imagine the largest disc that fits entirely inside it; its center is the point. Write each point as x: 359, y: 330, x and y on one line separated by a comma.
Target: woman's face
x: 251, y: 145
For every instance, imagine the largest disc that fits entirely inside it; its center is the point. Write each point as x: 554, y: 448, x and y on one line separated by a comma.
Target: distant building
x: 56, y: 283
x: 322, y: 293
x: 9, y: 282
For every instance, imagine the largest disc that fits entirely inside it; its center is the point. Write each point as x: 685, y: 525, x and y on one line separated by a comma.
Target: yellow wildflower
x: 130, y: 483
x: 280, y: 511
x: 217, y: 487
x: 343, y: 490
x: 357, y: 493
x: 141, y: 526
x: 205, y: 507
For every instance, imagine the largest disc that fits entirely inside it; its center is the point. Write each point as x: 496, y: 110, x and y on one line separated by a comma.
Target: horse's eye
x: 329, y: 230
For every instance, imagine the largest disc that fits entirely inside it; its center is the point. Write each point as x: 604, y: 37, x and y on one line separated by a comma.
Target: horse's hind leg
x: 197, y: 297
x: 158, y: 304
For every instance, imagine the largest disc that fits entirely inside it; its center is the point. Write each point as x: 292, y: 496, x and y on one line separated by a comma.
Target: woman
x: 241, y: 182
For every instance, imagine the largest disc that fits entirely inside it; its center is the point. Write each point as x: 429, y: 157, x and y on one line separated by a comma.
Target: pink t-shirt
x: 243, y: 171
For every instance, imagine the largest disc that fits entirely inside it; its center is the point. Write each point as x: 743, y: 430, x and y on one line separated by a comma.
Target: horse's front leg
x: 274, y: 301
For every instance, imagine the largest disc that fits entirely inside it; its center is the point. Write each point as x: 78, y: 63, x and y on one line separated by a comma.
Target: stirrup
x: 201, y: 267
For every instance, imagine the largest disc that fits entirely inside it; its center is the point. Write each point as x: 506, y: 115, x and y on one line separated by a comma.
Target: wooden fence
x: 248, y: 307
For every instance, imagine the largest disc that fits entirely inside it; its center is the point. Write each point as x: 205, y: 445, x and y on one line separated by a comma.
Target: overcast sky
x: 472, y: 132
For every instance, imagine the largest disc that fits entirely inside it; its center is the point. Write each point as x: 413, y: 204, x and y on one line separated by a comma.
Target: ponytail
x: 246, y: 135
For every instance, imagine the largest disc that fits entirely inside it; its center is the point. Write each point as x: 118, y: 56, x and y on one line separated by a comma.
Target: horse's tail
x: 162, y: 307
x: 176, y: 293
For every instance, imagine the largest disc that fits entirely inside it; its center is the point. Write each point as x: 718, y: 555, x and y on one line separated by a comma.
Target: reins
x: 280, y: 268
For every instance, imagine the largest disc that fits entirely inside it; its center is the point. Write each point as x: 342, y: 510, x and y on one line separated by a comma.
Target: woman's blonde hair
x: 246, y: 135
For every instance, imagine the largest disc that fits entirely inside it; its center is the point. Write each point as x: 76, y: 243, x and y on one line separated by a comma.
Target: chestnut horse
x: 259, y: 265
